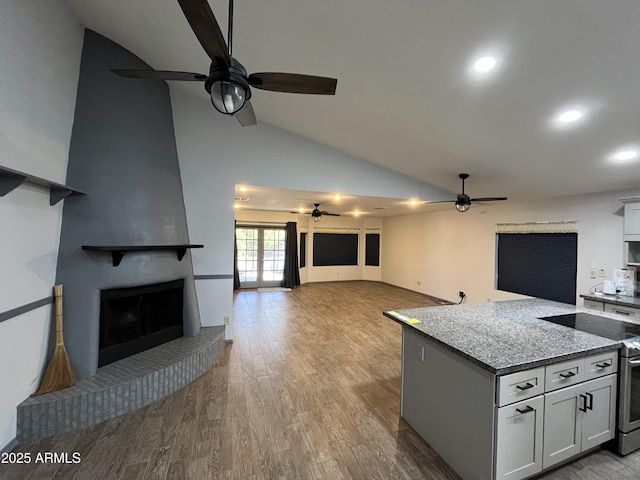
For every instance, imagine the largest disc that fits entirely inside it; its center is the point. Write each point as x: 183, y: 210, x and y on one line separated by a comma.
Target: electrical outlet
x: 227, y: 319
x: 593, y: 273
x: 602, y: 272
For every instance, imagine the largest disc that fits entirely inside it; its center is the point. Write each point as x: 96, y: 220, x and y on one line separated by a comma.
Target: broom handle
x: 59, y: 336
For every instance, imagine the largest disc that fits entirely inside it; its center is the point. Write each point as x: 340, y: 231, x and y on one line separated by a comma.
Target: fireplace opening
x: 139, y: 318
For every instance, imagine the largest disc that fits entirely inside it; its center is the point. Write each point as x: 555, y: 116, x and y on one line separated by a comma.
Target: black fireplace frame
x: 138, y: 299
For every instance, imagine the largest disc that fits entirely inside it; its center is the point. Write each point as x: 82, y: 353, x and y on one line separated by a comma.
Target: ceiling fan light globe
x: 228, y: 97
x: 316, y: 218
x: 462, y: 206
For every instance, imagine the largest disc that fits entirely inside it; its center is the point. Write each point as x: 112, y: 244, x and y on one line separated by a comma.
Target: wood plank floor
x: 309, y: 389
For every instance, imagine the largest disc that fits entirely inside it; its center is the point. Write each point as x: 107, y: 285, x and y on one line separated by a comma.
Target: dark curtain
x: 291, y: 278
x: 236, y: 274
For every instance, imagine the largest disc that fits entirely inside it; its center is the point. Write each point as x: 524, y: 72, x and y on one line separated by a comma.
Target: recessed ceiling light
x: 485, y: 64
x: 625, y: 155
x: 301, y: 210
x: 413, y: 202
x: 356, y: 213
x: 337, y: 197
x: 243, y: 189
x: 570, y: 116
x: 236, y: 206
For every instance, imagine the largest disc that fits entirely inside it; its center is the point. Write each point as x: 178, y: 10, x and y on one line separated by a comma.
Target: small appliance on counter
x: 624, y: 282
x: 609, y: 287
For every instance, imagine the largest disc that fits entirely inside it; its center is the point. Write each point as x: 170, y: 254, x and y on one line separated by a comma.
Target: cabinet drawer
x: 600, y: 365
x: 563, y: 374
x: 620, y: 310
x: 520, y: 386
x: 594, y: 305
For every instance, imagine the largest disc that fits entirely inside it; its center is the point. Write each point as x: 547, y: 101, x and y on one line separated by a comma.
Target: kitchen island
x: 500, y: 393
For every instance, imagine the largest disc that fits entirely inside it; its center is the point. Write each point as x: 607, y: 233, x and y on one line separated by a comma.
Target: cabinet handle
x: 621, y: 312
x: 590, y: 405
x: 583, y: 408
x: 603, y: 365
x: 527, y: 409
x: 526, y: 386
x: 568, y: 375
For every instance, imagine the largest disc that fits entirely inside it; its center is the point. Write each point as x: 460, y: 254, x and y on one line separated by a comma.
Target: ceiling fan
x: 463, y: 202
x: 316, y: 213
x: 228, y: 82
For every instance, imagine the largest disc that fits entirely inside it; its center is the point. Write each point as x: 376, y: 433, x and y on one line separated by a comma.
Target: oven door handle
x: 634, y: 362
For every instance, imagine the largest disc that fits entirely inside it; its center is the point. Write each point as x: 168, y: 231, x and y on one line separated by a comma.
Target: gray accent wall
x: 123, y: 154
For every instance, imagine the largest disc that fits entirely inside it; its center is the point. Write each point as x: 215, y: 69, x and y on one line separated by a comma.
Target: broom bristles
x: 59, y: 373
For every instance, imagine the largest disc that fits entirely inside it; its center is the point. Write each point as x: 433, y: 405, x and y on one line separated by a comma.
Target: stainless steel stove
x: 628, y: 334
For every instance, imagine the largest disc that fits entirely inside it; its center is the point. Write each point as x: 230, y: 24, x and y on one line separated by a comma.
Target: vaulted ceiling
x: 408, y: 95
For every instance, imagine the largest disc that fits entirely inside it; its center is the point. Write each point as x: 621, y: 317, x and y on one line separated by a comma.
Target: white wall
x: 448, y: 251
x: 40, y: 46
x: 215, y: 154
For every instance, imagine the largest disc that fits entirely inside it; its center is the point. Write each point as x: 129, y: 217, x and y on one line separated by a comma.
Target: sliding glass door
x: 260, y: 256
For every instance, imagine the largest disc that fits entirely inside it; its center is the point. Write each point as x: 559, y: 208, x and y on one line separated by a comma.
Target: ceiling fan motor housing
x: 236, y: 74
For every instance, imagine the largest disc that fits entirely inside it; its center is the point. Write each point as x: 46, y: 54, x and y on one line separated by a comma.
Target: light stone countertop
x: 506, y: 337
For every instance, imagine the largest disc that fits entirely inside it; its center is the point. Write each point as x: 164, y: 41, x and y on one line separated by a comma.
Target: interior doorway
x: 260, y: 256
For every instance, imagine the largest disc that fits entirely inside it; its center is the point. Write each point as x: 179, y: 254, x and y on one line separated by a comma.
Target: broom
x: 59, y: 373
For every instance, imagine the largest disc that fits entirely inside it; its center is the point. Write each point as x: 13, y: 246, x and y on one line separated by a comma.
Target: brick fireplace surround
x: 121, y: 387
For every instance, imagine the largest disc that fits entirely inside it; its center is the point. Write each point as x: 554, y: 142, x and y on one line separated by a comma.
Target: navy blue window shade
x: 330, y: 249
x: 541, y: 265
x: 372, y: 249
x: 303, y: 249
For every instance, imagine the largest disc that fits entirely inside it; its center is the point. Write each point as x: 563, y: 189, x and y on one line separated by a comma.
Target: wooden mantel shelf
x: 118, y: 251
x: 12, y: 179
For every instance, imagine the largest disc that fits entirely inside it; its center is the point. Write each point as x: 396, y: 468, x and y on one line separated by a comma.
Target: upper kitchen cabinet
x: 631, y: 219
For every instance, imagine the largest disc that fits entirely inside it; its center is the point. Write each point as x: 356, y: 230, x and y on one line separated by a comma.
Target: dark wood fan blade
x: 205, y: 26
x: 441, y: 201
x: 293, y: 83
x: 245, y: 115
x: 488, y: 199
x: 330, y: 214
x: 160, y: 75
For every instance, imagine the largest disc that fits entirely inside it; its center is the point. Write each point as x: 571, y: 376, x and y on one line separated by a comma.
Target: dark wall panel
x: 331, y: 249
x: 372, y: 249
x: 303, y: 249
x: 123, y: 154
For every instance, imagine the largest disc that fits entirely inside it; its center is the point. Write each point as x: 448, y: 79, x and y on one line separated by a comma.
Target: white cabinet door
x: 598, y: 422
x: 632, y: 221
x: 578, y: 418
x: 519, y: 439
x: 562, y: 425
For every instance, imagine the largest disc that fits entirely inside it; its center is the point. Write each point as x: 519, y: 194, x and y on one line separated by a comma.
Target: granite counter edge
x: 511, y: 368
x: 611, y: 301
